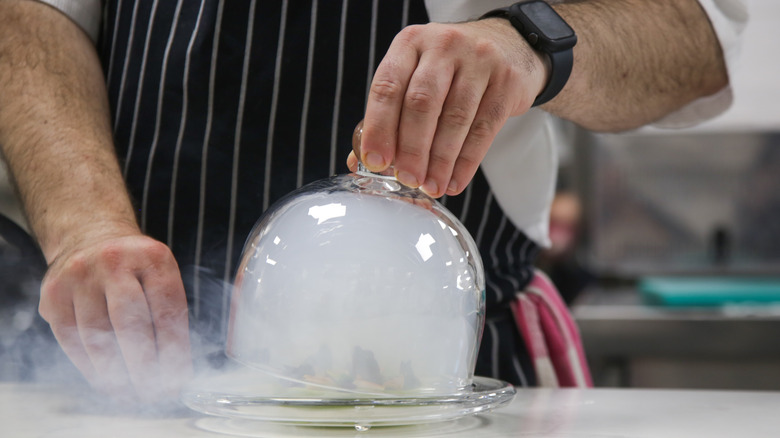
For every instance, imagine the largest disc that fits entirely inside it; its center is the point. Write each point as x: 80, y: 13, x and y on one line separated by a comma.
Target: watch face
x: 548, y: 22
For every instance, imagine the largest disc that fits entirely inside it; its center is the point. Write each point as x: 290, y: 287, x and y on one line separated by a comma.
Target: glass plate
x: 240, y: 396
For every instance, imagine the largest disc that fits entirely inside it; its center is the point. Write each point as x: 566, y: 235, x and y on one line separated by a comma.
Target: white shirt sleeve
x: 728, y: 19
x: 86, y: 13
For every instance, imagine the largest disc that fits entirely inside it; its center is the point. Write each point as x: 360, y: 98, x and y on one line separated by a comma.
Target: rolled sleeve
x: 86, y: 13
x: 728, y: 19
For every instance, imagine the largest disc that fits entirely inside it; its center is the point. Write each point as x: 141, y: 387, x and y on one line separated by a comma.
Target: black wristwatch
x: 545, y: 31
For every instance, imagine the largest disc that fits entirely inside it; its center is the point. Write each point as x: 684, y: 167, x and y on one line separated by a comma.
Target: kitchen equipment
x: 361, y: 284
x: 682, y: 203
x: 701, y: 291
x: 356, y: 291
x: 248, y: 394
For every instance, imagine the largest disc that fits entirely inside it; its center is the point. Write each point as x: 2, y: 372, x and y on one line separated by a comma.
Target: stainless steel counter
x: 632, y: 344
x: 28, y: 410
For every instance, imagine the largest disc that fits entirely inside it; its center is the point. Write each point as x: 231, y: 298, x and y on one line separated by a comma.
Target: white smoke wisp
x: 29, y: 354
x: 28, y: 351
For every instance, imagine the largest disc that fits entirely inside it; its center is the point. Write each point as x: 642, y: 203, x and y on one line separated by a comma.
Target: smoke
x: 29, y: 352
x: 26, y: 342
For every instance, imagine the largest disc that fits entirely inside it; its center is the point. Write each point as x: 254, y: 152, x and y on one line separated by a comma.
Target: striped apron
x: 222, y: 107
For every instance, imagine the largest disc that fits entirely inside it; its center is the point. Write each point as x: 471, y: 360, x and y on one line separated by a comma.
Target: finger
x: 56, y: 308
x: 454, y: 124
x: 490, y: 116
x: 352, y: 162
x: 357, y: 134
x: 97, y: 336
x: 167, y: 302
x: 67, y: 335
x: 131, y: 320
x: 385, y: 100
x: 421, y: 109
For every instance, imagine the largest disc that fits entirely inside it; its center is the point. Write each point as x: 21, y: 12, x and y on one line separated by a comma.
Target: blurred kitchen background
x: 667, y: 242
x: 669, y: 247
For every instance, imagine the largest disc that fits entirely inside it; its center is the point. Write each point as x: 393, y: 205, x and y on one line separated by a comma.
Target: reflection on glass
x: 327, y: 211
x: 423, y: 246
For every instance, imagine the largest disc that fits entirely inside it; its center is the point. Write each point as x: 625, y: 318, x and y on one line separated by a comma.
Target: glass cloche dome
x: 359, y: 284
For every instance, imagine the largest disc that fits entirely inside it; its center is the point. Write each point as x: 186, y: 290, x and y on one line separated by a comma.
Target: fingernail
x: 452, y: 187
x: 430, y: 187
x: 407, y: 179
x: 374, y: 161
x: 351, y: 160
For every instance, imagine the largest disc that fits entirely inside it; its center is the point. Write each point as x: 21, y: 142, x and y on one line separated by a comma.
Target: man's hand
x: 443, y: 91
x: 113, y: 297
x: 117, y: 306
x: 439, y: 97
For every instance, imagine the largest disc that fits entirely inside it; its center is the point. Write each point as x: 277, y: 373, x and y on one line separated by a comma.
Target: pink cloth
x: 551, y: 335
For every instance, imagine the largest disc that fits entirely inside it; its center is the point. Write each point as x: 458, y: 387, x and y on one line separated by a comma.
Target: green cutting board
x: 708, y: 291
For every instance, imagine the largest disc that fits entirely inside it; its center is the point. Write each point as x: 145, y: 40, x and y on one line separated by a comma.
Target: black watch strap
x: 560, y: 69
x: 561, y: 61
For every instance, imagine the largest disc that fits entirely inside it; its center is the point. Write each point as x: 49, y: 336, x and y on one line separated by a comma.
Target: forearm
x: 54, y: 127
x: 636, y: 61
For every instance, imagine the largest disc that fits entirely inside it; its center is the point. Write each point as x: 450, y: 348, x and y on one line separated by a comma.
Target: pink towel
x: 551, y: 335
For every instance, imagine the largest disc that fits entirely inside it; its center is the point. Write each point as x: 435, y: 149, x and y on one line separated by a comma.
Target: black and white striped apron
x: 222, y: 107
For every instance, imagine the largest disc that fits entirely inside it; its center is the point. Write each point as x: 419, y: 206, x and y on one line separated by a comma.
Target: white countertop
x: 28, y: 410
